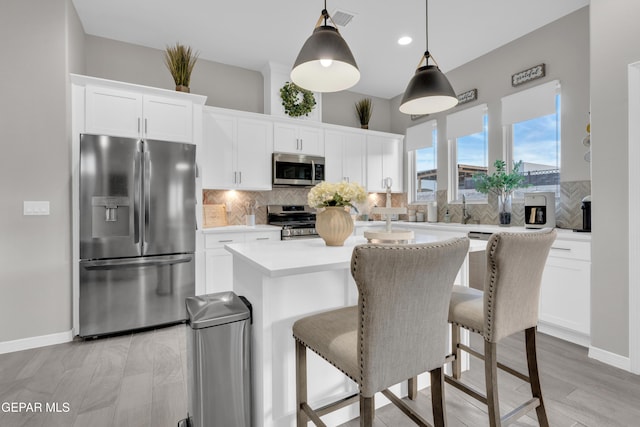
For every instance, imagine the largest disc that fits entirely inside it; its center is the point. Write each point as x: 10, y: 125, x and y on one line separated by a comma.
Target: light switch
x: 36, y: 208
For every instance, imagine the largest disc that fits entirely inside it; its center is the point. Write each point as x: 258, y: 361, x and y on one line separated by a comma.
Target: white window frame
x: 530, y: 104
x: 412, y: 147
x: 452, y: 152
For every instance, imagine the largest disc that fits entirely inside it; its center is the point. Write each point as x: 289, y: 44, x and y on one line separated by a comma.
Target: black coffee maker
x: 586, y: 214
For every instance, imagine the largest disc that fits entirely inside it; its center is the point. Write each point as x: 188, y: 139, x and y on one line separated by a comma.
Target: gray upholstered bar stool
x: 509, y: 304
x: 398, y: 329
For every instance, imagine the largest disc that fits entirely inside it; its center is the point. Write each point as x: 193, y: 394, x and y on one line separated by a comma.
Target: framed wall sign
x: 527, y: 75
x: 468, y: 96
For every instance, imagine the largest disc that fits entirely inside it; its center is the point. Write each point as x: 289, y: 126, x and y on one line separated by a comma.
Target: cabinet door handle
x: 225, y: 241
x: 138, y: 125
x: 240, y: 175
x: 145, y: 126
x: 561, y: 249
x: 262, y: 238
x: 235, y: 177
x: 301, y: 142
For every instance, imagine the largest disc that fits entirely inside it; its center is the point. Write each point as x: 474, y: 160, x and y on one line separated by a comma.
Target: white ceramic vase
x: 334, y: 224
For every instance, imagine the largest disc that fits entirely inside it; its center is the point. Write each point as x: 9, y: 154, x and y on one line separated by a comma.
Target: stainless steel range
x: 297, y: 221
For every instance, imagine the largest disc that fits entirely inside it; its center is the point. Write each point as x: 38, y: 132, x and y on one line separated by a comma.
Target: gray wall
x: 338, y: 108
x: 563, y: 46
x: 224, y: 85
x: 614, y: 35
x: 35, y: 251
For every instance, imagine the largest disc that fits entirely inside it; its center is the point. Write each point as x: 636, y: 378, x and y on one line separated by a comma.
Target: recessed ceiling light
x: 405, y: 40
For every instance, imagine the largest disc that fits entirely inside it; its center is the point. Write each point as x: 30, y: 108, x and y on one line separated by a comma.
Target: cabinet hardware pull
x: 561, y: 249
x: 240, y: 175
x: 235, y: 177
x: 262, y: 238
x: 138, y: 125
x: 225, y: 241
x: 145, y: 126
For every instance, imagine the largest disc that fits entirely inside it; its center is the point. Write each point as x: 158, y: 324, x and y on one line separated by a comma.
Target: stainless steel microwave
x: 297, y: 170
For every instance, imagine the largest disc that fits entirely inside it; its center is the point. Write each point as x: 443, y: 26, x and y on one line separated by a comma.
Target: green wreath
x: 291, y: 102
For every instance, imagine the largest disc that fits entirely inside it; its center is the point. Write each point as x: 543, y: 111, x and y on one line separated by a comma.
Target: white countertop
x: 563, y: 233
x: 284, y: 258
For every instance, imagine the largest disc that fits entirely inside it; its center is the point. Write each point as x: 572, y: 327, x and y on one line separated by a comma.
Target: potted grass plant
x: 364, y: 108
x: 180, y: 61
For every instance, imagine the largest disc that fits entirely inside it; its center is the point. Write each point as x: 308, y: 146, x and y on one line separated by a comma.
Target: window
x: 423, y: 164
x: 426, y: 177
x: 467, y: 136
x: 531, y: 122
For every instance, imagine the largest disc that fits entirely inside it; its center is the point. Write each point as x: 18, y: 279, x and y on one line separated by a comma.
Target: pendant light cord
x: 324, y: 15
x: 426, y: 31
x: 426, y: 55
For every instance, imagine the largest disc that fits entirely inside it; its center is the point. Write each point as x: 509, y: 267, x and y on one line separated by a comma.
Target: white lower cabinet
x: 565, y: 295
x: 219, y: 262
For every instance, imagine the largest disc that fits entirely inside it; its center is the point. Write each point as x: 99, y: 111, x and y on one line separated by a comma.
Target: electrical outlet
x: 35, y: 208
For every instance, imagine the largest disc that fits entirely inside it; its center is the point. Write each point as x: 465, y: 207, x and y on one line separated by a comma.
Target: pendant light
x: 428, y: 91
x: 325, y: 62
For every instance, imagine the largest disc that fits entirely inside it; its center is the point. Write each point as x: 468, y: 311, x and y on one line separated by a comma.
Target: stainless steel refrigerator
x: 137, y: 233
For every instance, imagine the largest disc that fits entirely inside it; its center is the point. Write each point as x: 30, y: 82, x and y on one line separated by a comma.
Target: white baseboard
x: 564, y: 334
x: 34, y: 342
x: 609, y: 358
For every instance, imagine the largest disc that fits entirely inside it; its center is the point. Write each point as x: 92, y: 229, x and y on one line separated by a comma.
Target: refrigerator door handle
x: 146, y: 192
x: 136, y: 262
x: 137, y: 182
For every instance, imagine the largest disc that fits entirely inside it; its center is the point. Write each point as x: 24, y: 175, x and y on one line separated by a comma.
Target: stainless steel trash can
x: 218, y: 361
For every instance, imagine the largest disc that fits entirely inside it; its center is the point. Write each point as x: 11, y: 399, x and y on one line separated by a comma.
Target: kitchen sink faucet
x: 465, y: 214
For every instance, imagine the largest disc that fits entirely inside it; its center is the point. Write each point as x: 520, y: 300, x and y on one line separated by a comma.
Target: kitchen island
x: 287, y: 280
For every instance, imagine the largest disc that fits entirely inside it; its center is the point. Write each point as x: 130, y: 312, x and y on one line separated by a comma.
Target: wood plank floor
x: 140, y: 380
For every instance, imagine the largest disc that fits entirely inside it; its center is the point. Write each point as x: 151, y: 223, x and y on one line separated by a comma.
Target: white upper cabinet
x: 113, y: 112
x: 384, y: 160
x: 133, y: 114
x: 292, y: 138
x: 237, y: 152
x: 167, y: 119
x: 345, y: 156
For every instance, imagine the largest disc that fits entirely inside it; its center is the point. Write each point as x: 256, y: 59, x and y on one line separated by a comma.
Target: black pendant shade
x: 325, y: 62
x: 428, y: 92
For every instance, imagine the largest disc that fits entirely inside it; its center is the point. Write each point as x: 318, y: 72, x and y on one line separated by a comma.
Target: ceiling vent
x: 342, y: 17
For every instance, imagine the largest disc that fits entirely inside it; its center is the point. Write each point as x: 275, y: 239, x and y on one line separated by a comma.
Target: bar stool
x: 509, y: 304
x: 398, y: 329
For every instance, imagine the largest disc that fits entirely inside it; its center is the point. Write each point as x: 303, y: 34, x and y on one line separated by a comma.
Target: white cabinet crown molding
x: 81, y: 80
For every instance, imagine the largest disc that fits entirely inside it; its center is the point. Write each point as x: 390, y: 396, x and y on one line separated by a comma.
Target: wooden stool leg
x: 412, y: 385
x: 301, y: 383
x: 491, y: 380
x: 534, y: 376
x: 437, y: 398
x: 456, y: 365
x: 367, y: 411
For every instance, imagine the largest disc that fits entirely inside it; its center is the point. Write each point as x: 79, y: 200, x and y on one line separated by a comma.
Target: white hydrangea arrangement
x: 336, y: 194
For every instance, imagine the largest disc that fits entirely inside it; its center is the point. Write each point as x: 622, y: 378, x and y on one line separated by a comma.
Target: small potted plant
x: 364, y: 108
x: 502, y: 184
x: 180, y: 61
